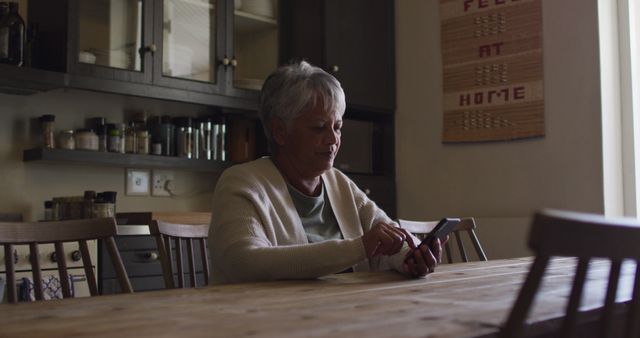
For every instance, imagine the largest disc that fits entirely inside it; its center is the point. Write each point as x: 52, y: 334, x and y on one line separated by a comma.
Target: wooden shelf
x: 248, y: 22
x: 95, y: 158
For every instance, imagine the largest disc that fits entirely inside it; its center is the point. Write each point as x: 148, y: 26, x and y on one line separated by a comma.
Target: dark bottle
x: 12, y: 35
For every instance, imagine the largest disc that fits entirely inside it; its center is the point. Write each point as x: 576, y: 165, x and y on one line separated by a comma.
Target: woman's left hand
x: 424, y: 259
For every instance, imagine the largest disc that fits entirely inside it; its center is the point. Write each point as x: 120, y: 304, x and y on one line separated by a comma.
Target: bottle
x: 12, y: 36
x: 48, y: 131
x: 4, y: 31
x: 48, y: 210
x: 66, y: 140
x: 155, y: 134
x: 99, y: 123
x: 130, y: 141
x: 184, y: 137
x: 89, y: 198
x: 167, y: 136
x: 142, y: 134
x: 206, y: 141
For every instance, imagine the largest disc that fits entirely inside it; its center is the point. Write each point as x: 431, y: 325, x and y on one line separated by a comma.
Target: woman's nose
x: 331, y: 137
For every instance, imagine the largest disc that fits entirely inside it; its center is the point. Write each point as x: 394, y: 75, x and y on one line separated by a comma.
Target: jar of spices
x: 87, y: 139
x: 114, y: 140
x: 48, y: 130
x: 66, y: 140
x: 130, y: 142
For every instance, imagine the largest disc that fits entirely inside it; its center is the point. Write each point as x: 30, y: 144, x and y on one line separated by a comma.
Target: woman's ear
x: 279, y: 130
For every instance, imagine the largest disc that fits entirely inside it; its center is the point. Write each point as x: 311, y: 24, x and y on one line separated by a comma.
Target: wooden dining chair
x: 585, y: 236
x: 422, y: 228
x: 164, y: 233
x: 59, y: 232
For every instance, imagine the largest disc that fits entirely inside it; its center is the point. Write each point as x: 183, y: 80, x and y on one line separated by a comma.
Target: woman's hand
x: 424, y: 259
x: 384, y: 239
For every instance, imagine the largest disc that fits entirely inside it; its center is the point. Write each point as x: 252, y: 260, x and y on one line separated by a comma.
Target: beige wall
x: 501, y: 183
x: 25, y: 185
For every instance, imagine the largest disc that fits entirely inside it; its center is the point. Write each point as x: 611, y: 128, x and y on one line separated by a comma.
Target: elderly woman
x: 294, y: 216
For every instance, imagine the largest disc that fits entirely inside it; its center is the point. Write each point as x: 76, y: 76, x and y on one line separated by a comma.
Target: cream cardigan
x: 256, y: 233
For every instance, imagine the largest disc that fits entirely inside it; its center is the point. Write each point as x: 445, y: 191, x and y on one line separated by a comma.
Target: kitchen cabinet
x: 184, y: 50
x: 353, y: 40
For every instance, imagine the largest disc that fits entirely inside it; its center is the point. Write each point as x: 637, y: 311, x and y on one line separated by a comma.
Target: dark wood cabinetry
x: 352, y: 39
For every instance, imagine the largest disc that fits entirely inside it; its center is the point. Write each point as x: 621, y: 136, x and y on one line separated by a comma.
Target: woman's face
x: 311, y: 141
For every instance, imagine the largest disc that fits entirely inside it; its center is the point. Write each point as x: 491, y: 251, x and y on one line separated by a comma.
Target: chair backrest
x: 422, y: 228
x: 585, y: 236
x: 164, y: 232
x: 59, y: 232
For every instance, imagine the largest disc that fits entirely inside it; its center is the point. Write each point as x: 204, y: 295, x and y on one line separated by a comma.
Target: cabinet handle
x: 234, y: 63
x: 150, y: 48
x: 53, y: 257
x: 151, y: 256
x: 335, y: 68
x: 226, y: 61
x: 15, y: 256
x: 76, y: 255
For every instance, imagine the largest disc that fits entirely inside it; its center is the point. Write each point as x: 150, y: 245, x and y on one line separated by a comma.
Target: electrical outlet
x: 159, y: 182
x: 137, y: 182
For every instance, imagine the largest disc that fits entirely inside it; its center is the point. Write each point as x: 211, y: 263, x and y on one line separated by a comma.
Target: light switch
x: 137, y: 182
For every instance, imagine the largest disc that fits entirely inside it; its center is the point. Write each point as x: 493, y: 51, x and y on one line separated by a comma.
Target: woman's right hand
x: 384, y: 239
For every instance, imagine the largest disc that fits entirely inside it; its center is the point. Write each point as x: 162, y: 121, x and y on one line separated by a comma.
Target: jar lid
x: 47, y: 118
x: 84, y: 130
x: 109, y: 196
x: 48, y: 204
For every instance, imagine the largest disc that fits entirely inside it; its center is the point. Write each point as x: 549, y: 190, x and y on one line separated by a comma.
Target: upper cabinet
x: 223, y: 47
x: 352, y: 39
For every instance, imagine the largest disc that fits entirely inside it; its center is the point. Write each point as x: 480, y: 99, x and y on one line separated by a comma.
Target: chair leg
x: 125, y: 284
x: 463, y: 252
x: 515, y: 323
x: 12, y: 293
x: 205, y: 260
x: 447, y: 249
x: 633, y: 319
x: 179, y: 261
x: 88, y: 268
x: 570, y: 319
x: 610, y: 299
x: 165, y: 260
x: 34, y: 255
x: 476, y: 244
x: 62, y: 270
x: 192, y: 264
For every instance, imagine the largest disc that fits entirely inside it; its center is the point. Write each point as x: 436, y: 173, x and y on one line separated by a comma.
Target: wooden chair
x: 59, y: 232
x: 422, y: 228
x: 164, y: 232
x: 585, y: 236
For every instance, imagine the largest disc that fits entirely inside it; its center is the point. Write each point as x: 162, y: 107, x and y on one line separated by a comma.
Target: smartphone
x: 441, y: 230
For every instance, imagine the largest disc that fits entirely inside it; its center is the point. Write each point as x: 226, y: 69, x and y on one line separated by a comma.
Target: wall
x: 25, y: 185
x: 501, y: 183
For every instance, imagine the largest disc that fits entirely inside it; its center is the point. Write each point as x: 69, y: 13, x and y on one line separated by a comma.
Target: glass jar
x: 130, y: 142
x: 87, y: 139
x: 12, y: 35
x: 48, y: 131
x: 66, y: 140
x: 184, y: 137
x: 115, y: 138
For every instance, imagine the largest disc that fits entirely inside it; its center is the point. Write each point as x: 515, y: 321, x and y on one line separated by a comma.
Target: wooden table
x: 459, y: 300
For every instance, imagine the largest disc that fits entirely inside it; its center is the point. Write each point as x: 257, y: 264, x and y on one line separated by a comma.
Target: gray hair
x: 291, y: 89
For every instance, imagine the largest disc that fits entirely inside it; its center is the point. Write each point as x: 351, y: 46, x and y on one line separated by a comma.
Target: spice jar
x: 184, y: 137
x: 48, y: 130
x: 114, y: 142
x: 66, y: 140
x: 86, y: 139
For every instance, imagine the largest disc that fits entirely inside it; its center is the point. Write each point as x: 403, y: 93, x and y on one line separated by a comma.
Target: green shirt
x: 317, y: 217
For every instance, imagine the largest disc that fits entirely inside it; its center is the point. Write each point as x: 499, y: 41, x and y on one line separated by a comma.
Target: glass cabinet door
x: 255, y: 42
x: 110, y: 33
x: 189, y: 40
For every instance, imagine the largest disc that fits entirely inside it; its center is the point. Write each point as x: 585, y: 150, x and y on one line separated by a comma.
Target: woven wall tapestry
x: 492, y: 69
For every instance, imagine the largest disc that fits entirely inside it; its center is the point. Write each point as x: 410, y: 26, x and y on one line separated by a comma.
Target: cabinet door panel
x: 359, y: 49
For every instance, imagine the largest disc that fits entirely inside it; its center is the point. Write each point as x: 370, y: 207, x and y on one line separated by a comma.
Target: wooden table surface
x: 459, y: 300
